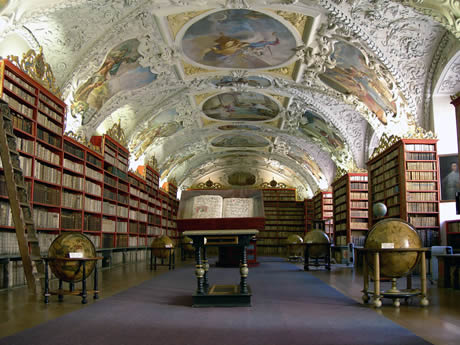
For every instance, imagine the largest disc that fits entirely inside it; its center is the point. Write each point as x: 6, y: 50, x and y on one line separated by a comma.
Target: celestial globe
x: 162, y: 247
x: 317, y: 237
x: 379, y: 210
x: 187, y: 243
x: 62, y: 247
x: 294, y: 243
x: 393, y: 233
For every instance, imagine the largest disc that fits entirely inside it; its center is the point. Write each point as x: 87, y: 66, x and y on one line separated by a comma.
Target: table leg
x: 365, y: 280
x: 377, y: 301
x: 46, y: 293
x: 424, y: 301
x: 328, y: 258
x: 151, y: 258
x: 83, y: 285
x: 60, y: 295
x: 96, y: 282
x: 244, y: 271
x: 199, y: 271
x: 307, y: 259
x: 206, y: 269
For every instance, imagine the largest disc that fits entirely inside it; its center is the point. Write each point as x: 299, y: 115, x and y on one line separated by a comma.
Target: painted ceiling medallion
x: 239, y: 38
x: 239, y: 141
x: 241, y: 106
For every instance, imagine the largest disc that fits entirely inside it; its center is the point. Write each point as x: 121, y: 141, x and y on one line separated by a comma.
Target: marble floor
x: 439, y: 323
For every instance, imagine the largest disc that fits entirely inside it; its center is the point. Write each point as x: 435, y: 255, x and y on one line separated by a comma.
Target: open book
x: 215, y: 206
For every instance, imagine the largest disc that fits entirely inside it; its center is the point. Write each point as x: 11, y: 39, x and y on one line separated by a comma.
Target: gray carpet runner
x: 290, y: 307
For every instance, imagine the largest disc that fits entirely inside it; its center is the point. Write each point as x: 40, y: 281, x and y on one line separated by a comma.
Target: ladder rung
x: 32, y: 239
x: 29, y: 221
x: 24, y: 204
x: 35, y: 258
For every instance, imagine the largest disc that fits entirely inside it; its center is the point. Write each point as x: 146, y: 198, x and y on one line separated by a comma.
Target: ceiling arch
x: 340, y: 72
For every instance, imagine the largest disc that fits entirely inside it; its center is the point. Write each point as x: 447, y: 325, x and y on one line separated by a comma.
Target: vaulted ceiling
x: 245, y: 91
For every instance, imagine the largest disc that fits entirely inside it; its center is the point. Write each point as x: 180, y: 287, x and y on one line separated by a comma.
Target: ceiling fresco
x: 238, y: 39
x: 240, y: 140
x: 244, y: 91
x: 241, y: 106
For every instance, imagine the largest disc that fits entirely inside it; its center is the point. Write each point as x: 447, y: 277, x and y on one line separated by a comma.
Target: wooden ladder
x: 20, y: 207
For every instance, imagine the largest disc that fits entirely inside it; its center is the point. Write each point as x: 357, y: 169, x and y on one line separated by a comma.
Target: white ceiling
x: 171, y: 85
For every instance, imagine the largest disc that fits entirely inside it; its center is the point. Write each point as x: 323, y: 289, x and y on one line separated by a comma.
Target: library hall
x: 232, y: 172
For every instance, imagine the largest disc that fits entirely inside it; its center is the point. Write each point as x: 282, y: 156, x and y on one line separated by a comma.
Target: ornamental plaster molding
x: 342, y: 17
x: 446, y: 12
x: 450, y: 82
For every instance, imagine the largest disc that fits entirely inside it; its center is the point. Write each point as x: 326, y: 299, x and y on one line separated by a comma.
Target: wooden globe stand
x: 83, y: 292
x: 325, y: 259
x: 171, y: 259
x: 393, y: 293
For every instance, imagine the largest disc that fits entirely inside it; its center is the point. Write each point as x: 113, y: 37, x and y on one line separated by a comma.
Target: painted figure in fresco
x: 119, y: 71
x: 314, y: 125
x: 451, y: 183
x: 227, y: 46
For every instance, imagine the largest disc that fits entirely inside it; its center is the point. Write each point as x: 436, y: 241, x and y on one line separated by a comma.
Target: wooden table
x: 220, y: 295
x: 446, y: 262
x: 393, y: 293
x: 61, y: 292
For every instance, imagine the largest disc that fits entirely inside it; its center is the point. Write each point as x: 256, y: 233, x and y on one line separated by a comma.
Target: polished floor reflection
x: 439, y: 323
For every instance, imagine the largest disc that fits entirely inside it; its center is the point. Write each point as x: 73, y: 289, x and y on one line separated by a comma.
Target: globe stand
x: 393, y: 293
x: 326, y: 258
x: 171, y: 259
x: 60, y: 292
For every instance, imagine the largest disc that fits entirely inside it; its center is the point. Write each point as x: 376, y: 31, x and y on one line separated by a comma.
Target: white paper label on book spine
x: 388, y: 245
x: 76, y: 255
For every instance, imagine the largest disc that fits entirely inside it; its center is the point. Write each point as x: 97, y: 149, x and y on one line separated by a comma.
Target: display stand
x: 233, y: 228
x: 221, y: 295
x: 318, y: 261
x: 171, y: 259
x: 83, y: 292
x: 393, y: 293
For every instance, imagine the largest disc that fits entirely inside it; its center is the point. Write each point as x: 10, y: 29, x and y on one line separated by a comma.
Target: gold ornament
x: 34, y: 65
x: 117, y: 133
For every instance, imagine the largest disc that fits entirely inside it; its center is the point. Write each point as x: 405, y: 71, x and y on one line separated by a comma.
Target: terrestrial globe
x: 317, y: 237
x: 294, y: 244
x: 162, y: 246
x: 61, y: 247
x: 187, y: 243
x: 379, y: 209
x: 396, y: 233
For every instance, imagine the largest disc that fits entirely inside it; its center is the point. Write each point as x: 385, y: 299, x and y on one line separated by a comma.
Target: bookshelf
x: 38, y: 121
x: 405, y: 177
x: 73, y: 187
x: 453, y: 233
x: 350, y: 200
x: 323, y: 210
x: 309, y: 214
x: 284, y: 216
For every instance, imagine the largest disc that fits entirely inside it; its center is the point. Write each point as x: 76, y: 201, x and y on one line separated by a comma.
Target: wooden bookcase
x: 405, y: 177
x: 309, y: 214
x: 284, y: 216
x: 453, y: 233
x: 38, y: 122
x: 323, y: 210
x: 73, y: 187
x: 351, y: 214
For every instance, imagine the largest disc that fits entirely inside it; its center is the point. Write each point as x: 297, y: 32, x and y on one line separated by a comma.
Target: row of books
x: 48, y: 100
x: 360, y: 185
x: 51, y: 113
x: 425, y: 156
x: 22, y: 123
x: 419, y: 147
x: 74, y: 166
x: 19, y: 81
x: 421, y: 165
x: 48, y: 124
x: 298, y: 227
x: 426, y: 221
x: 18, y: 91
x: 422, y: 207
x: 49, y: 138
x: 17, y: 106
x: 70, y: 220
x: 46, y: 219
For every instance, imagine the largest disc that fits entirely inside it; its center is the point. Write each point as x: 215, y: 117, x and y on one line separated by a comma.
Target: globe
x: 294, y: 243
x: 394, y: 233
x: 317, y: 237
x: 379, y: 209
x: 61, y: 247
x: 187, y: 243
x: 162, y: 247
